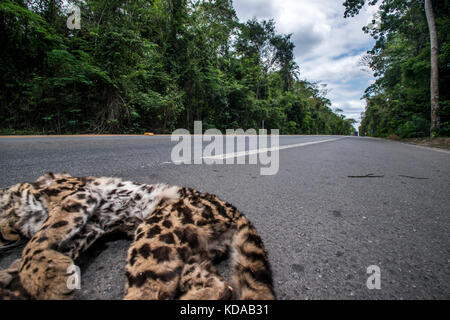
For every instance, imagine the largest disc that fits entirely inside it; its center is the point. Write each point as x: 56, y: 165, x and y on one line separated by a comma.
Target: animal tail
x: 252, y: 275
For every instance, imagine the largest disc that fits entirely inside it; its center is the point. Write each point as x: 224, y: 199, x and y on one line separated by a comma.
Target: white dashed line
x: 264, y: 150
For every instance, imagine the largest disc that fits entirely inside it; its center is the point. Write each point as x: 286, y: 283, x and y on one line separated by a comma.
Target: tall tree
x: 406, y: 32
x: 434, y: 81
x: 139, y: 65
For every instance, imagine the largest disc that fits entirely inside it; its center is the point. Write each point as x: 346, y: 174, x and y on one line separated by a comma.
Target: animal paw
x: 201, y: 282
x: 10, y: 286
x: 46, y: 275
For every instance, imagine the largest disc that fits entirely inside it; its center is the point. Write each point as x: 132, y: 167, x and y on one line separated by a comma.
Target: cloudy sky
x: 328, y: 47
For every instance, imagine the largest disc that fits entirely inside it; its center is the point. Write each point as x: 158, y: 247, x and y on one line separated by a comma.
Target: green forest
x: 158, y: 65
x: 152, y: 66
x: 398, y: 103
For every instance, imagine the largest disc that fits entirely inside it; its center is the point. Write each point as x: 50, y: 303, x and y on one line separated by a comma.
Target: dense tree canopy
x: 137, y: 66
x: 399, y: 101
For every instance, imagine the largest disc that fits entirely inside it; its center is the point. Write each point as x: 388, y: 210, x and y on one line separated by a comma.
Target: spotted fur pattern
x: 178, y: 234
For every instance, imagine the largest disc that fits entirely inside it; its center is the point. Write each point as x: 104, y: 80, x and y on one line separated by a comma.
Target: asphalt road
x: 322, y: 227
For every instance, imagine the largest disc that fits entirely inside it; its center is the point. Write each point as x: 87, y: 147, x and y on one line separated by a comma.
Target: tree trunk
x: 434, y: 83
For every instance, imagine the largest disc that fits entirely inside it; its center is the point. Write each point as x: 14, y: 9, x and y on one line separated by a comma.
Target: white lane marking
x: 264, y: 150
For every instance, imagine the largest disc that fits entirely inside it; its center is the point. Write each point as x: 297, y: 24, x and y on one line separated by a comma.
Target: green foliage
x: 417, y: 127
x: 399, y: 101
x: 138, y: 66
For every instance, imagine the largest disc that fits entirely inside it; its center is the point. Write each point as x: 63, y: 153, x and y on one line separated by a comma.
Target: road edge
x: 410, y: 144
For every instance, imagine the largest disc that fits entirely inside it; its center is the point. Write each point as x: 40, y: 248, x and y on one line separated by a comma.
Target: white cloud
x: 247, y: 9
x: 328, y: 47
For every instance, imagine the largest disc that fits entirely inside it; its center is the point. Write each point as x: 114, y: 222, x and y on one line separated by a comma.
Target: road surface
x: 322, y: 221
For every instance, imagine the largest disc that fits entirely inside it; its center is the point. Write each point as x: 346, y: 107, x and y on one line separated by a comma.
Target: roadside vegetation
x: 399, y: 103
x: 139, y: 66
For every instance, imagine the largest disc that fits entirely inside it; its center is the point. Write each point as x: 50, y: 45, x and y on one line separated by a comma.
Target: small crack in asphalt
x: 370, y: 175
x: 411, y: 177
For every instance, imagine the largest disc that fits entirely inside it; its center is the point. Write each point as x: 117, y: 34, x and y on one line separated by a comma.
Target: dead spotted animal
x: 178, y: 234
